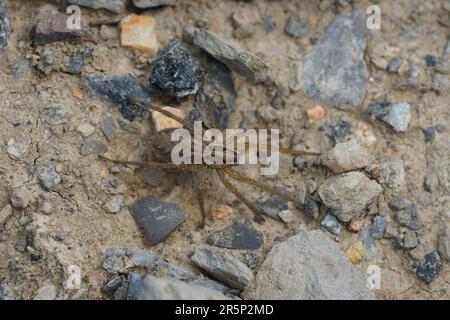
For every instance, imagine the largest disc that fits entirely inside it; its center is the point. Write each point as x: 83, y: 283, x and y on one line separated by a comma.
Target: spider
x: 161, y: 146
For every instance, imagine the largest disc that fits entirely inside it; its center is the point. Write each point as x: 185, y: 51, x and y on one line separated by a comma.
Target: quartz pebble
x: 138, y: 33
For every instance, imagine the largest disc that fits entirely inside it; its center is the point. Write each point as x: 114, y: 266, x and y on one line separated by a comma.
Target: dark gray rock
x: 135, y: 285
x: 397, y: 203
x: 296, y: 27
x: 145, y: 4
x: 115, y: 6
x: 49, y: 178
x: 396, y: 115
x: 216, y: 99
x: 5, y: 27
x: 272, y: 206
x: 268, y: 24
x: 331, y: 224
x: 119, y: 90
x: 136, y: 258
x: 223, y: 266
x: 244, y: 62
x: 430, y: 267
x: 93, y: 147
x: 378, y: 227
x: 109, y: 127
x: 237, y: 236
x: 152, y: 177
x: 336, y: 132
x: 311, y: 207
x: 176, y: 73
x: 335, y: 73
x: 395, y: 65
x: 53, y: 28
x: 158, y: 219
x: 408, y: 218
x: 76, y: 62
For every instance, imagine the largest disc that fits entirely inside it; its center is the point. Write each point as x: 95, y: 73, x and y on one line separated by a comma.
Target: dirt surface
x: 68, y: 225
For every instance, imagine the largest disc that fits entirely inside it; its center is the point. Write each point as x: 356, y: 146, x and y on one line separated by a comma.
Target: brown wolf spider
x: 162, y: 145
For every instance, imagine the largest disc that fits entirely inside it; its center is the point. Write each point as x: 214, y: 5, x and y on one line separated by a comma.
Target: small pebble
x: 430, y: 267
x: 114, y: 204
x: 49, y: 178
x: 331, y: 224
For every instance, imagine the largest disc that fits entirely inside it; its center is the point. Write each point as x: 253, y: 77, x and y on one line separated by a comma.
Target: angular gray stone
x: 347, y: 156
x: 378, y: 227
x: 348, y: 194
x: 408, y: 218
x: 21, y: 198
x: 222, y: 266
x: 5, y: 27
x: 109, y: 127
x: 331, y: 224
x: 93, y: 147
x: 335, y: 73
x: 390, y: 174
x: 120, y: 90
x: 444, y: 242
x: 244, y: 62
x: 49, y: 178
x: 396, y: 115
x: 308, y: 266
x: 237, y: 236
x: 158, y: 219
x: 296, y: 27
x: 145, y: 4
x: 115, y: 6
x: 169, y: 289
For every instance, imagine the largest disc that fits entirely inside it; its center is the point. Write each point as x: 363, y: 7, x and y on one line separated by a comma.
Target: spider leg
x: 258, y: 216
x: 159, y: 165
x: 238, y: 177
x: 169, y: 114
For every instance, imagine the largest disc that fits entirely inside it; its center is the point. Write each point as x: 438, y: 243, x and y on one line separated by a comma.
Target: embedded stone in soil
x: 237, y: 236
x: 119, y: 90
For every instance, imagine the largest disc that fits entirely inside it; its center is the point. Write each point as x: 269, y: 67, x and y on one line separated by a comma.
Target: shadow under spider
x: 224, y: 171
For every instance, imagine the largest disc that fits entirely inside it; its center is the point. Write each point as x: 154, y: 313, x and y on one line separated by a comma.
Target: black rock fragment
x: 430, y: 267
x: 176, y: 73
x: 158, y: 219
x: 119, y: 90
x: 237, y: 236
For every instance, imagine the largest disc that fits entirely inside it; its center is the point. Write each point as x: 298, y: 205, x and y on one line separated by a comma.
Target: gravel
x: 396, y: 115
x: 305, y: 267
x: 408, y: 218
x: 223, y: 266
x: 348, y: 194
x: 335, y: 73
x: 296, y: 27
x: 49, y: 178
x: 378, y: 227
x: 331, y: 224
